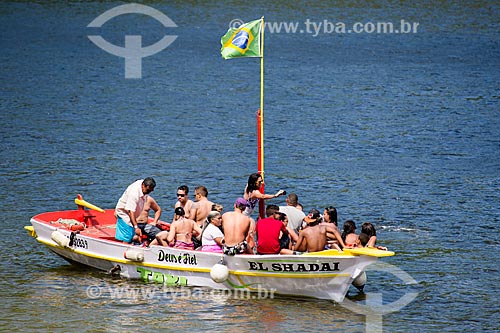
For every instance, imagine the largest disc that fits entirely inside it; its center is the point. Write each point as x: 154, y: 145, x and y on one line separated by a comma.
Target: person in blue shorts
x: 129, y: 207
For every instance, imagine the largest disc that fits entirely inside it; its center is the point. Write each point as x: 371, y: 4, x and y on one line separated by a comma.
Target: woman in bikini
x: 349, y: 235
x: 369, y: 229
x: 330, y: 215
x: 334, y: 239
x: 180, y: 234
x: 252, y: 193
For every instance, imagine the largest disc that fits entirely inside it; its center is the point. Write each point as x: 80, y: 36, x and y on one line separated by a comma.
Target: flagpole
x: 241, y: 42
x: 260, y: 122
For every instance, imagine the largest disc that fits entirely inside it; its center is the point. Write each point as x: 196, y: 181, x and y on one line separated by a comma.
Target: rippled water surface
x: 397, y: 129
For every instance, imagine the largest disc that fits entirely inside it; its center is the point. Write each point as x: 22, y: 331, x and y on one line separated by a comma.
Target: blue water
x: 397, y: 129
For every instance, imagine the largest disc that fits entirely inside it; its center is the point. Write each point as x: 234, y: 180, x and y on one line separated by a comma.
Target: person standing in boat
x: 237, y: 232
x: 252, y: 193
x: 129, y: 207
x: 295, y: 215
x: 183, y: 200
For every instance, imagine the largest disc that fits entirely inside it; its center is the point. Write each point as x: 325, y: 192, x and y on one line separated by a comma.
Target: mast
x: 260, y: 122
x: 243, y: 42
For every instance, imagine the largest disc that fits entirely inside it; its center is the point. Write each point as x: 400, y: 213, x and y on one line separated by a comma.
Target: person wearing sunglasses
x: 183, y: 201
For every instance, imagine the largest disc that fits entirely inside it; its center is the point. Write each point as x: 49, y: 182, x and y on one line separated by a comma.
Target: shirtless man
x: 183, y: 201
x: 202, y: 206
x: 313, y: 238
x: 237, y: 230
x: 149, y: 229
x: 180, y: 233
x: 148, y: 205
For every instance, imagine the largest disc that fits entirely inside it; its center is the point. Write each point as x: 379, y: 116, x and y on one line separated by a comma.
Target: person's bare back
x: 312, y: 239
x: 202, y: 207
x: 200, y: 210
x: 236, y: 227
x: 182, y: 230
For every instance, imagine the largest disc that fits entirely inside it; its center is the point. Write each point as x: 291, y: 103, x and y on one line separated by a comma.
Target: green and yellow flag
x: 243, y: 41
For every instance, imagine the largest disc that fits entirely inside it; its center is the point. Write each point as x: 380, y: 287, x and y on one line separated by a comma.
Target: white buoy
x: 134, y: 255
x: 219, y: 273
x: 59, y: 238
x: 360, y: 281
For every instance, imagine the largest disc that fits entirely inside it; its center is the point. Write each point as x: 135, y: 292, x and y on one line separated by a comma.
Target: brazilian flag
x: 243, y: 41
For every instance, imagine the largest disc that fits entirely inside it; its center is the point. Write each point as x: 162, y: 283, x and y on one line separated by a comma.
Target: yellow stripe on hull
x: 359, y: 251
x: 295, y: 275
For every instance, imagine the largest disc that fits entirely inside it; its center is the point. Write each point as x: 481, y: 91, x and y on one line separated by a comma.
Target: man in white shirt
x: 130, y: 206
x: 295, y: 215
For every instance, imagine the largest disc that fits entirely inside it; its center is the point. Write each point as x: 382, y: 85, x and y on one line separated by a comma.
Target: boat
x: 86, y: 236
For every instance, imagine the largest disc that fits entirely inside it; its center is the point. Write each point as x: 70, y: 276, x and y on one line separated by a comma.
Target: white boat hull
x: 321, y: 275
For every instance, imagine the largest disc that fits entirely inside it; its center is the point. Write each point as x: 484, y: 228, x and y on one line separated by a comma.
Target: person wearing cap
x: 237, y: 230
x: 312, y: 217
